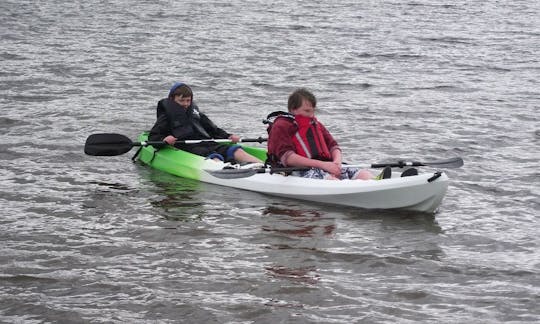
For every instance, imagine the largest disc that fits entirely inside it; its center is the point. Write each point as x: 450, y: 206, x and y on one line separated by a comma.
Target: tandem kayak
x: 423, y: 192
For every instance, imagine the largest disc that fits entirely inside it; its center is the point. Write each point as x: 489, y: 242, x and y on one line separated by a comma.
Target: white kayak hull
x: 408, y: 193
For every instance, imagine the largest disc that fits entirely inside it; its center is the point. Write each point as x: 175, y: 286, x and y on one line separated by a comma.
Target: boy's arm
x: 160, y: 130
x: 280, y: 142
x: 212, y: 128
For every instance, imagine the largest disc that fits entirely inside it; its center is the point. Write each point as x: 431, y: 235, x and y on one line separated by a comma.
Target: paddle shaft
x: 222, y: 140
x: 449, y: 163
x: 146, y: 143
x: 111, y: 144
x: 399, y: 164
x: 195, y: 141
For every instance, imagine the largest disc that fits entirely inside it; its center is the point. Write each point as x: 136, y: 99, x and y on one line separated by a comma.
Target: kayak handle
x: 436, y: 175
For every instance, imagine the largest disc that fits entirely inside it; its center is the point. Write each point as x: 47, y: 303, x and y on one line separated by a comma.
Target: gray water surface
x: 104, y: 240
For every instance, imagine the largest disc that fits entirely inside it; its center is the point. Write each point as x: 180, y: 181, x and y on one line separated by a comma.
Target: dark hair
x: 295, y: 99
x: 183, y: 90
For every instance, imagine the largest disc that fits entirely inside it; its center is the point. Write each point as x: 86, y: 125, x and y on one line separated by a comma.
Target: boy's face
x: 306, y: 109
x: 184, y: 102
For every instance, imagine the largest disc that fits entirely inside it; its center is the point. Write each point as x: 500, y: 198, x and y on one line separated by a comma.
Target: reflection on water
x: 105, y: 196
x: 304, y: 274
x: 111, y: 185
x: 398, y: 219
x: 297, y: 231
x: 297, y: 222
x: 177, y: 198
x: 302, y: 240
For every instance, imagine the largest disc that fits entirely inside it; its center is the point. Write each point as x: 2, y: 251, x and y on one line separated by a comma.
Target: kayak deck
x: 414, y: 193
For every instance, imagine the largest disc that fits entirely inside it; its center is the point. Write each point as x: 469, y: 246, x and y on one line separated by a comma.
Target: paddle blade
x: 107, y: 144
x: 456, y: 162
x: 233, y: 173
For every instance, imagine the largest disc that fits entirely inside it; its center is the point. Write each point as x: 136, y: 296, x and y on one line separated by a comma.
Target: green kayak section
x: 181, y: 163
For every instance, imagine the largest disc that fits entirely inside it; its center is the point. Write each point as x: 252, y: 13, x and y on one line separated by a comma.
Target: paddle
x: 110, y: 144
x: 244, y: 173
x: 113, y: 144
x: 451, y: 163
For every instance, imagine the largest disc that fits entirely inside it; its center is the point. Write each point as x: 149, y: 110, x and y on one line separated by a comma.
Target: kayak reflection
x: 294, y: 222
x: 304, y: 274
x: 297, y: 232
x: 176, y: 200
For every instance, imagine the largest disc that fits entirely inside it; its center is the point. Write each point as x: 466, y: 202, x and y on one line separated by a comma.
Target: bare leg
x: 365, y: 175
x: 241, y: 156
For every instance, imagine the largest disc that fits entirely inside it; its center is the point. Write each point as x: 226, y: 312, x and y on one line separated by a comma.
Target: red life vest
x: 309, y: 140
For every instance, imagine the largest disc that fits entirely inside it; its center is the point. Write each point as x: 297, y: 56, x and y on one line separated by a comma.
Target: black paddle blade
x: 233, y: 173
x: 456, y: 162
x: 107, y: 144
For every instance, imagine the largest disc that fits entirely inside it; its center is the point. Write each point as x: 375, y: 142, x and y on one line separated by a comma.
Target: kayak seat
x: 385, y: 174
x: 409, y: 172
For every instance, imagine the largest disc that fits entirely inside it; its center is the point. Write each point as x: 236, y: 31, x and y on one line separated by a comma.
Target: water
x: 101, y: 239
